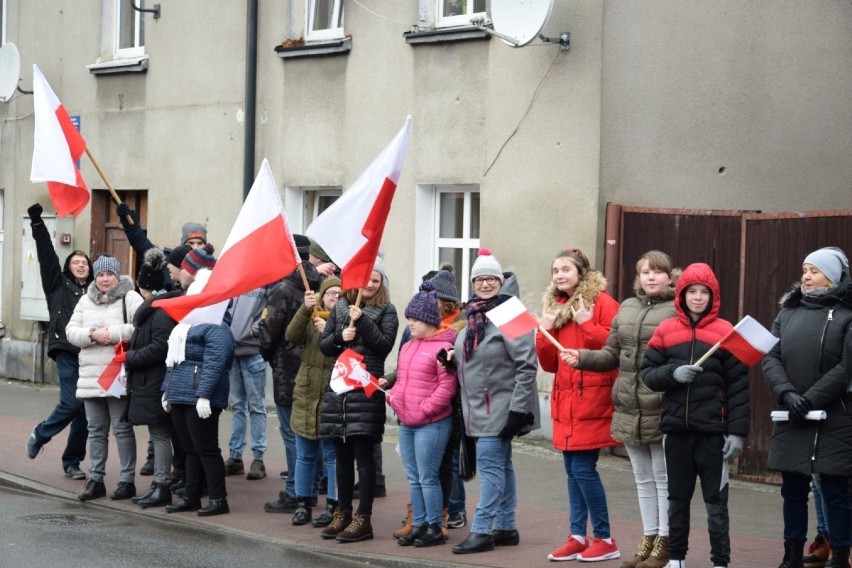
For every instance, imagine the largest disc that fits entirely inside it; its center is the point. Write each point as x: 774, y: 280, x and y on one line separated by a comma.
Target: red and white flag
x: 113, y: 379
x: 749, y: 341
x: 259, y: 250
x: 349, y: 373
x: 351, y: 229
x: 57, y: 146
x: 512, y: 318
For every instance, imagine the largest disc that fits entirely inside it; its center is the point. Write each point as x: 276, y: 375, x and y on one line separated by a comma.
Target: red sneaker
x: 599, y: 550
x: 569, y: 551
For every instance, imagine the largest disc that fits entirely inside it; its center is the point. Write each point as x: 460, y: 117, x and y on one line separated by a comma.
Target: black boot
x: 416, y: 532
x: 214, y: 507
x: 160, y: 496
x: 147, y: 493
x: 183, y: 505
x: 325, y: 519
x: 839, y: 558
x: 93, y: 490
x: 794, y: 550
x: 303, y: 513
x: 434, y: 535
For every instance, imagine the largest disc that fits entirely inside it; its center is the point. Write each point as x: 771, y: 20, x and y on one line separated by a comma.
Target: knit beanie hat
x: 445, y: 287
x: 486, y: 265
x: 380, y: 268
x: 424, y: 306
x: 107, y: 263
x: 318, y: 252
x: 177, y: 255
x: 830, y: 261
x: 151, y: 275
x: 201, y: 257
x: 303, y: 244
x: 193, y: 231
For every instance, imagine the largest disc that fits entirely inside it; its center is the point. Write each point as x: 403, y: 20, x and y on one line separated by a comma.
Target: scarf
x: 476, y: 320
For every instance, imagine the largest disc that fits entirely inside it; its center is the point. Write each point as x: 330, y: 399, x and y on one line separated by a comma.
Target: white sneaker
x: 676, y: 564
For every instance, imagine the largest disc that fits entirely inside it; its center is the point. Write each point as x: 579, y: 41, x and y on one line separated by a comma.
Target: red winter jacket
x: 581, y: 401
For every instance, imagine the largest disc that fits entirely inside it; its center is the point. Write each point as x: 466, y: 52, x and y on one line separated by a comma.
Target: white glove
x: 166, y: 406
x: 733, y: 446
x: 203, y: 408
x: 685, y: 373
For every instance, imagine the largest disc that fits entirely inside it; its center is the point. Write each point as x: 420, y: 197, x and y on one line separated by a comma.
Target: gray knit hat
x: 830, y: 261
x: 107, y: 263
x: 445, y: 287
x: 193, y: 231
x: 486, y: 265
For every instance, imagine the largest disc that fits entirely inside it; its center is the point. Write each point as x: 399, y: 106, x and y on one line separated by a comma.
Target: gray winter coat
x: 636, y: 419
x: 499, y: 376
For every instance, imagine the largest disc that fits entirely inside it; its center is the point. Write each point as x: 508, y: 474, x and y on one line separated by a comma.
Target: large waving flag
x: 351, y: 229
x: 749, y: 341
x: 260, y: 250
x: 57, y: 146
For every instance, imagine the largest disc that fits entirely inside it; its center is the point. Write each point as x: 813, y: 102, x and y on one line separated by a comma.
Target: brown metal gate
x: 756, y: 258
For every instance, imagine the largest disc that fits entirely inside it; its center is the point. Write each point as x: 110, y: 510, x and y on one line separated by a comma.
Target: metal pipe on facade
x: 611, y: 247
x: 251, y: 97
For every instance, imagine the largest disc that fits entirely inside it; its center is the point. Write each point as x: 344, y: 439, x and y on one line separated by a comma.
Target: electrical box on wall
x: 33, y: 303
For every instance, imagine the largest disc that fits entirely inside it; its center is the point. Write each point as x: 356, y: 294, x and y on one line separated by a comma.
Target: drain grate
x: 60, y: 519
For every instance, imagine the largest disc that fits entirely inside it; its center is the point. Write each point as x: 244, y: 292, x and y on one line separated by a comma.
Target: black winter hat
x: 151, y: 275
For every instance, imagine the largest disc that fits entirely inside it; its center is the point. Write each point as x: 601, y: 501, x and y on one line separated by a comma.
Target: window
x: 452, y: 235
x: 305, y: 203
x: 324, y: 19
x: 129, y: 32
x: 2, y: 22
x: 458, y: 12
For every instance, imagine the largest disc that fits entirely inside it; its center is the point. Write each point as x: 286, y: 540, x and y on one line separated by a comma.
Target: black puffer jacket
x: 61, y: 290
x: 146, y: 362
x: 812, y: 359
x: 354, y: 413
x: 717, y: 400
x: 285, y: 298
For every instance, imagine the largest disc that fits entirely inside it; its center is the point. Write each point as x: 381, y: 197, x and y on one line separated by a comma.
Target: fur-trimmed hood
x: 125, y: 285
x: 842, y: 293
x: 589, y: 288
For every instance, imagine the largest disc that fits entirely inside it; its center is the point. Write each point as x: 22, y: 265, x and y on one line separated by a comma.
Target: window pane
x: 452, y: 216
x: 452, y: 256
x: 325, y: 202
x: 478, y: 6
x: 126, y: 17
x: 474, y: 215
x: 455, y: 7
x: 323, y: 14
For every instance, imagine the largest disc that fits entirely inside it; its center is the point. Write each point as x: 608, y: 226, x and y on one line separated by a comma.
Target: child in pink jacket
x: 422, y: 399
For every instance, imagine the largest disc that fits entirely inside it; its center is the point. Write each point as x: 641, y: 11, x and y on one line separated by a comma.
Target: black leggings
x: 360, y: 449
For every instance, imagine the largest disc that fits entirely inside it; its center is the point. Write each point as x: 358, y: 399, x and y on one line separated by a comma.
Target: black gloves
x: 798, y: 405
x: 123, y: 210
x: 35, y: 211
x: 516, y: 423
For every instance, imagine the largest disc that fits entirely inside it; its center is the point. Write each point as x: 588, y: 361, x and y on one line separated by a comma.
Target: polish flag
x: 749, y: 341
x: 351, y: 229
x: 349, y: 373
x: 114, y: 377
x: 260, y: 250
x: 57, y: 146
x: 512, y: 318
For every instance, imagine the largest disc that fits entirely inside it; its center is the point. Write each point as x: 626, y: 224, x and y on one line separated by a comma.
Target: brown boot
x: 359, y: 529
x: 339, y: 521
x: 642, y: 553
x: 659, y: 555
x: 445, y: 530
x: 405, y: 529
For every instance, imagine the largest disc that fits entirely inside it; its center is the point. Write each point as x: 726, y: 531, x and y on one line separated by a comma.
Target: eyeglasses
x: 490, y: 280
x: 332, y: 293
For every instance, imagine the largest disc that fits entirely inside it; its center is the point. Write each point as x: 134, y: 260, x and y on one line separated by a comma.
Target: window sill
x: 445, y: 35
x: 124, y: 65
x: 316, y: 48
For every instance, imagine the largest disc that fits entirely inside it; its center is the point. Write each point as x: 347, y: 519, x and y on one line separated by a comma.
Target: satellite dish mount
x: 518, y: 22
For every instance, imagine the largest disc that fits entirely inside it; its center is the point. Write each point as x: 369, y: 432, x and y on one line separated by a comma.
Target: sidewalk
x: 542, y: 513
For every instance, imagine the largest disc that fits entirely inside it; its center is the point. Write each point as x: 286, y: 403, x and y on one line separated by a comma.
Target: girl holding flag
x: 100, y: 326
x: 354, y: 419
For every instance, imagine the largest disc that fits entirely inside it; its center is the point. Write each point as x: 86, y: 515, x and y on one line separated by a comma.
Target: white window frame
x: 442, y: 21
x: 296, y: 204
x: 2, y: 22
x: 428, y: 241
x: 138, y: 48
x: 327, y: 33
x: 2, y: 225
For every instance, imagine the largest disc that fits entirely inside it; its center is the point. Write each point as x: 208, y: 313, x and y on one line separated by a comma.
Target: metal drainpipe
x: 251, y: 97
x: 612, y: 247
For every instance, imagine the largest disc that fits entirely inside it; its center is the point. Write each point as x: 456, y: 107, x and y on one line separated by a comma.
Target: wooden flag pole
x: 108, y: 184
x: 357, y: 303
x: 552, y: 339
x: 307, y: 287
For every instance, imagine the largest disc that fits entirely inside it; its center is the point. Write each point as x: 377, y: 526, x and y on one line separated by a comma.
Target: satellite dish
x: 518, y: 22
x: 10, y: 71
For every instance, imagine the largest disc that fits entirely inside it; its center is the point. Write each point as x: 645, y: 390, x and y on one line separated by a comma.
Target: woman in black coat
x: 809, y: 370
x: 355, y: 421
x: 146, y: 366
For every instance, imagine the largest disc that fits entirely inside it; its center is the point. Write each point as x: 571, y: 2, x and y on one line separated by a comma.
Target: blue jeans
x: 586, y: 495
x: 248, y: 401
x: 422, y: 449
x: 307, y: 452
x: 819, y: 506
x: 456, y: 502
x: 70, y: 410
x: 290, y: 449
x: 497, y: 491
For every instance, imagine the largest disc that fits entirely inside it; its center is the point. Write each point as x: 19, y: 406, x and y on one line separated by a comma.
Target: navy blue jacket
x: 204, y: 371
